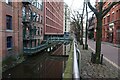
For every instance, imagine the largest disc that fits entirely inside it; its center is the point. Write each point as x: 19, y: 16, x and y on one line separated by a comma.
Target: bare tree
x: 86, y: 45
x: 81, y: 23
x: 76, y: 17
x: 99, y: 13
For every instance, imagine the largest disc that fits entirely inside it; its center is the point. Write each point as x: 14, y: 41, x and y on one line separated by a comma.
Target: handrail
x: 76, y: 74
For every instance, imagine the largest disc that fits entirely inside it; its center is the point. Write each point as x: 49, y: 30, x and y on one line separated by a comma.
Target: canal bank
x: 42, y: 65
x: 12, y: 61
x: 68, y: 70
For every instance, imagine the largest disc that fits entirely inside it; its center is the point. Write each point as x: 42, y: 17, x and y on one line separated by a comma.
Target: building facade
x: 110, y: 24
x: 21, y: 26
x: 91, y: 25
x: 33, y: 25
x: 53, y: 15
x: 66, y: 26
x: 10, y: 29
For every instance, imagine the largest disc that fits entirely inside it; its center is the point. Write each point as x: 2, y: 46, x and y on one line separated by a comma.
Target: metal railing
x: 76, y: 59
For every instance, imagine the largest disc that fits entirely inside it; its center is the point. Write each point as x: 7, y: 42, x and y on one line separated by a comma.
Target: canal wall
x: 12, y: 61
x: 68, y: 70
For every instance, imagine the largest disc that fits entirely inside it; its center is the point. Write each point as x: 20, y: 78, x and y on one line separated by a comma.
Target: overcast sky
x: 78, y: 4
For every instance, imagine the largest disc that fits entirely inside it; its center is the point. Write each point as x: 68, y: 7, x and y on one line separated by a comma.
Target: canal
x: 42, y: 65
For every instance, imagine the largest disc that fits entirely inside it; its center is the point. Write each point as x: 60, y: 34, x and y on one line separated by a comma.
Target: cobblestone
x: 90, y: 70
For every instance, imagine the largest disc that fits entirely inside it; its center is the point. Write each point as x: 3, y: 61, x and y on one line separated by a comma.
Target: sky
x: 78, y: 5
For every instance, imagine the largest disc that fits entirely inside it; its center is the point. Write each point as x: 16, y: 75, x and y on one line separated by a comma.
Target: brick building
x: 91, y: 25
x: 10, y: 29
x: 111, y: 24
x: 33, y: 25
x: 54, y: 18
x: 21, y: 26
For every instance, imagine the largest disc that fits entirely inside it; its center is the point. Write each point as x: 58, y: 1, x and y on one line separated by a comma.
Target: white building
x: 66, y: 25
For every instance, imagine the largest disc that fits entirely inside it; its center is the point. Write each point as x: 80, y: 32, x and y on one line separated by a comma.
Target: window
x: 108, y: 18
x: 38, y: 32
x: 41, y: 31
x: 9, y: 42
x: 29, y: 13
x: 109, y: 3
x: 40, y: 4
x: 34, y: 30
x: 9, y: 2
x: 41, y: 19
x: 117, y: 14
x: 23, y: 13
x: 34, y: 16
x: 38, y: 41
x: 37, y: 18
x: 113, y: 17
x: 9, y: 22
x: 104, y: 21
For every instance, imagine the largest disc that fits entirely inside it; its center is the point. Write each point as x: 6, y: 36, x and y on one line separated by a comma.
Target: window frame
x: 8, y: 22
x: 9, y: 42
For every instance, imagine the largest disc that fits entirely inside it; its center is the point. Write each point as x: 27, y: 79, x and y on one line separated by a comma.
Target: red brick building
x: 21, y: 27
x: 10, y: 29
x: 111, y: 24
x: 53, y: 18
x: 33, y: 25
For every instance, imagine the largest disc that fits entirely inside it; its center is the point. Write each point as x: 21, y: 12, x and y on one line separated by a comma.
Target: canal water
x: 42, y: 65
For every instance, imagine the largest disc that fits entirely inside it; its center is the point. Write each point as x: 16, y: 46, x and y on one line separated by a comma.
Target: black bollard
x: 101, y: 60
x: 92, y: 57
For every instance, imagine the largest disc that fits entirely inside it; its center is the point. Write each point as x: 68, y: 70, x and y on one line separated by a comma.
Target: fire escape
x: 30, y: 32
x: 29, y: 29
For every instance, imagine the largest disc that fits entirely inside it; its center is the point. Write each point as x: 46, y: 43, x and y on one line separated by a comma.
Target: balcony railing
x: 33, y: 37
x: 30, y: 51
x: 25, y: 19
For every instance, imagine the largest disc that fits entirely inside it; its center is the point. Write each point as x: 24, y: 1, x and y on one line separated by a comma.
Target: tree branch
x: 100, y: 6
x: 92, y: 8
x: 105, y: 11
x: 83, y: 8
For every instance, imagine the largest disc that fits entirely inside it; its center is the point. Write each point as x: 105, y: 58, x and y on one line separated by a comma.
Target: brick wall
x: 54, y: 18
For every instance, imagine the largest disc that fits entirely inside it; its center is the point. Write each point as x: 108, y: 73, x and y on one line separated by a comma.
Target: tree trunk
x: 81, y: 39
x: 98, y: 39
x: 86, y: 45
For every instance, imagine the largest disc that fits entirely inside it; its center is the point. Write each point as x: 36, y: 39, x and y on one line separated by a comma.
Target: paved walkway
x: 109, y: 52
x: 89, y: 70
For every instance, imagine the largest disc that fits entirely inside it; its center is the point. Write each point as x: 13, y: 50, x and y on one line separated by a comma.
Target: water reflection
x: 44, y: 65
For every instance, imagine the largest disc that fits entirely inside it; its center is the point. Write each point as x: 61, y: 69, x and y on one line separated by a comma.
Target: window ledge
x: 9, y: 30
x: 9, y: 49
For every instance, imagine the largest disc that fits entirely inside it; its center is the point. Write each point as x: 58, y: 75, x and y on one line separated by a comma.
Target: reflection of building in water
x: 66, y: 49
x: 40, y: 66
x: 59, y: 51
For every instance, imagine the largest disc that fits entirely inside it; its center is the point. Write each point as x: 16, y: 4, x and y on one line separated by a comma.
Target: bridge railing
x: 76, y: 61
